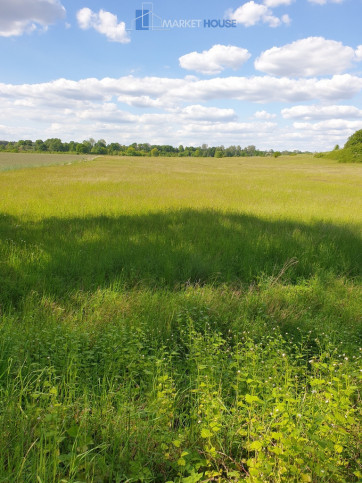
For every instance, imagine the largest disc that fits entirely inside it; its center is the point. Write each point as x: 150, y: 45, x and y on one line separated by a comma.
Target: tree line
x: 90, y: 146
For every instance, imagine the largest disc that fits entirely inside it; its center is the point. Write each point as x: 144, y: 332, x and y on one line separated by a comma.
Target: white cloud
x: 306, y: 57
x: 215, y: 60
x: 23, y: 16
x: 264, y: 115
x: 230, y: 127
x: 286, y: 19
x: 174, y: 92
x: 323, y: 2
x: 322, y: 112
x: 269, y: 89
x: 184, y: 114
x: 252, y: 13
x: 329, y: 125
x: 106, y: 23
x: 277, y: 3
x: 141, y: 101
x: 203, y: 113
x: 359, y: 53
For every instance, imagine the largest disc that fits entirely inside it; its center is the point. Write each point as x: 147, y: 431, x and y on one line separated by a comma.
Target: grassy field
x: 10, y: 161
x: 167, y: 319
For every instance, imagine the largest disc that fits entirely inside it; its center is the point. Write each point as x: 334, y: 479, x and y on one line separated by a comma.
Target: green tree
x: 154, y: 152
x: 72, y: 146
x: 83, y: 148
x: 354, y: 142
x: 54, y: 144
x: 114, y: 148
x: 99, y: 147
x: 40, y: 145
x: 197, y: 153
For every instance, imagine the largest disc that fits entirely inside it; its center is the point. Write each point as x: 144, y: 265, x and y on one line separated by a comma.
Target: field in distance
x: 181, y: 319
x: 28, y: 160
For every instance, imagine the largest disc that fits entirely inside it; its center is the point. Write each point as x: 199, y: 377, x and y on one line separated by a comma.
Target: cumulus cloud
x: 23, y: 16
x: 174, y: 92
x: 106, y: 23
x: 215, y: 60
x: 264, y: 115
x: 277, y: 3
x: 322, y: 112
x: 204, y: 113
x: 329, y: 125
x: 181, y: 110
x: 252, y: 13
x: 359, y: 53
x: 231, y: 127
x: 306, y: 57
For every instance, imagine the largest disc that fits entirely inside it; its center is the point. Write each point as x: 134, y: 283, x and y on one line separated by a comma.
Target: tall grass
x: 180, y: 320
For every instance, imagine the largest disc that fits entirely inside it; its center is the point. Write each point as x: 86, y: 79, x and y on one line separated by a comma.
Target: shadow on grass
x: 59, y: 256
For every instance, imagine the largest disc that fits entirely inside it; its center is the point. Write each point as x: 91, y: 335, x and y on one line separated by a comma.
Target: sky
x: 277, y: 74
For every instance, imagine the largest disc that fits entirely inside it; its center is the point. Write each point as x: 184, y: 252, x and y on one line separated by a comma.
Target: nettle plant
x: 257, y: 410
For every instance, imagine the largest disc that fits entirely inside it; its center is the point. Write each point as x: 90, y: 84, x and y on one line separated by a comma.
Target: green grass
x: 10, y: 161
x: 180, y: 320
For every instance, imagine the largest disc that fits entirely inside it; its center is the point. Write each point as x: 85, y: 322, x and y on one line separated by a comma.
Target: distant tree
x: 131, y: 151
x: 336, y: 147
x: 54, y: 144
x: 197, y: 153
x: 145, y: 147
x: 72, y: 146
x: 218, y: 154
x: 114, y: 148
x: 250, y: 150
x: 40, y: 145
x: 355, y: 142
x: 154, y: 152
x: 88, y: 145
x: 83, y: 148
x: 99, y: 147
x: 276, y: 154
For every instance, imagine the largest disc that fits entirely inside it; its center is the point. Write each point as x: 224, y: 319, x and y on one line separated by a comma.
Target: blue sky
x: 286, y: 75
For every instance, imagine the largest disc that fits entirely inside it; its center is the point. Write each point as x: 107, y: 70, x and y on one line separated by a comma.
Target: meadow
x: 10, y: 161
x: 181, y: 319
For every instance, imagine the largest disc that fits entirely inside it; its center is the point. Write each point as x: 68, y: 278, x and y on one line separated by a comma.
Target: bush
x: 154, y: 152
